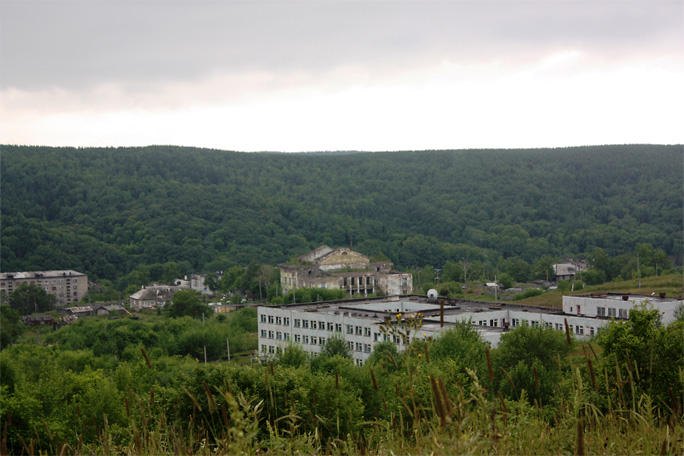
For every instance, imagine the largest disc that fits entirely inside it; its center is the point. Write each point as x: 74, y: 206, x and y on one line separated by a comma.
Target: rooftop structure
x: 360, y: 322
x: 67, y: 286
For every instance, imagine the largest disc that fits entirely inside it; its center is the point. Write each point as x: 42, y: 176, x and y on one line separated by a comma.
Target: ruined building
x: 343, y: 269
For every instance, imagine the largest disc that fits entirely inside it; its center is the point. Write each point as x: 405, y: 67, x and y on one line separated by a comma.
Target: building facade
x: 66, y: 286
x: 343, y: 269
x: 365, y: 322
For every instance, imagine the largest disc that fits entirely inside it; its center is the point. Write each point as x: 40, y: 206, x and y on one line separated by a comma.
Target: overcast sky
x: 341, y: 75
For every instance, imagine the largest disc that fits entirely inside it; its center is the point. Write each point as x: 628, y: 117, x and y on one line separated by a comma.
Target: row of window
x: 358, y: 331
x: 612, y: 312
x: 39, y: 282
x: 576, y: 329
x: 359, y: 347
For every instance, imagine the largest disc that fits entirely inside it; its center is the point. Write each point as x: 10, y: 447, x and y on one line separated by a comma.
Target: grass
x: 670, y: 284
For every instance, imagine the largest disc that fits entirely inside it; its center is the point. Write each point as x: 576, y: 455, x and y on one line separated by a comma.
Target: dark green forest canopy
x: 106, y: 210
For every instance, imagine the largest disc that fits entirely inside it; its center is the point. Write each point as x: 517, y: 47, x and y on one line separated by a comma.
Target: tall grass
x: 223, y: 420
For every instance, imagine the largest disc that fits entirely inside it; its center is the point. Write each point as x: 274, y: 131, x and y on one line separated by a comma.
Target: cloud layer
x: 341, y: 75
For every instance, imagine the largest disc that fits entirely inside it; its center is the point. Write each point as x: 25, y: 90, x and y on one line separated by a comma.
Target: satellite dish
x: 432, y: 293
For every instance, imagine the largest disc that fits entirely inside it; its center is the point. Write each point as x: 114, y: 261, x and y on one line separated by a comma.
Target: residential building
x: 343, y: 269
x: 37, y: 320
x: 365, y: 322
x: 154, y: 296
x: 66, y: 286
x: 568, y: 269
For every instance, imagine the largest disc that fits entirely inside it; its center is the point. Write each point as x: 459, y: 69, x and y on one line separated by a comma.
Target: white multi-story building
x: 361, y: 322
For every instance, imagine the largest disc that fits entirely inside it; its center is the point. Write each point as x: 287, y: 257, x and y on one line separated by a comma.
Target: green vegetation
x: 140, y: 215
x: 538, y: 392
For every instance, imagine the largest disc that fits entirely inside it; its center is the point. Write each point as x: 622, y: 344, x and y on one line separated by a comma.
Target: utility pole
x: 205, y: 342
x: 228, y: 348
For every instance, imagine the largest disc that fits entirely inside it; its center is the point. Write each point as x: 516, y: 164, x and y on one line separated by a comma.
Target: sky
x: 332, y: 75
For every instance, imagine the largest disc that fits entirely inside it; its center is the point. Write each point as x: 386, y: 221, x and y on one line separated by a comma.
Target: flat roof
x: 39, y: 274
x: 631, y: 297
x: 410, y: 304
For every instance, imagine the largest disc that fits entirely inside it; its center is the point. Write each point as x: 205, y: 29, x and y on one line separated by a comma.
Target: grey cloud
x: 72, y: 44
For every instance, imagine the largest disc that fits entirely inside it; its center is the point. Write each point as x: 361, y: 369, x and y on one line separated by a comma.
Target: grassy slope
x: 671, y: 284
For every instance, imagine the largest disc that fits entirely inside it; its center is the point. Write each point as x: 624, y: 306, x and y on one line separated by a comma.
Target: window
x: 314, y: 340
x: 359, y: 346
x: 376, y: 336
x: 601, y: 311
x: 297, y: 322
x: 331, y: 327
x: 366, y: 332
x: 287, y: 336
x: 279, y: 320
x: 270, y: 319
x: 591, y: 331
x: 264, y: 348
x: 305, y: 324
x: 270, y: 334
x: 350, y: 329
x: 263, y: 333
x: 579, y: 330
x: 359, y: 330
x: 314, y: 324
x: 338, y: 327
x: 515, y: 322
x: 271, y: 349
x: 611, y: 312
x: 366, y: 348
x: 286, y: 321
x: 298, y: 338
x: 279, y: 335
x: 623, y: 313
x: 351, y: 345
x: 306, y: 339
x: 321, y: 340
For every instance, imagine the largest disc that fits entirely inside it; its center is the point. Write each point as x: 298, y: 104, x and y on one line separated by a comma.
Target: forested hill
x: 106, y: 210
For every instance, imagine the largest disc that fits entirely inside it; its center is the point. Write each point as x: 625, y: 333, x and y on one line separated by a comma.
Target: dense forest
x: 104, y: 211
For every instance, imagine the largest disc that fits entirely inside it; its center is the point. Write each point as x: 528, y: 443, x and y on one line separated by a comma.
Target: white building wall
x: 617, y: 307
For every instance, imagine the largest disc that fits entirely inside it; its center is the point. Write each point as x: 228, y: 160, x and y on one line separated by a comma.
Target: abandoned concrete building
x: 343, y: 269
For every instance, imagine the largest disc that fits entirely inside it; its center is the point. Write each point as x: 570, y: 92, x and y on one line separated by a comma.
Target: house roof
x: 156, y: 292
x: 316, y: 254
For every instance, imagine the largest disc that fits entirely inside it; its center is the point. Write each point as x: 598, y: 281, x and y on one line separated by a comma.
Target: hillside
x: 106, y: 210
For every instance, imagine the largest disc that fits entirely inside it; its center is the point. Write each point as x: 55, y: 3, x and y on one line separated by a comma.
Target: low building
x: 67, y: 286
x: 78, y: 311
x: 38, y: 320
x: 618, y: 305
x: 364, y: 322
x: 569, y: 269
x: 106, y: 309
x: 154, y: 296
x: 343, y: 269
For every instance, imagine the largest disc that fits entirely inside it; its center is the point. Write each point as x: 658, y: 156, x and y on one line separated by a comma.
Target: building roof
x: 156, y: 292
x: 38, y: 318
x: 39, y: 274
